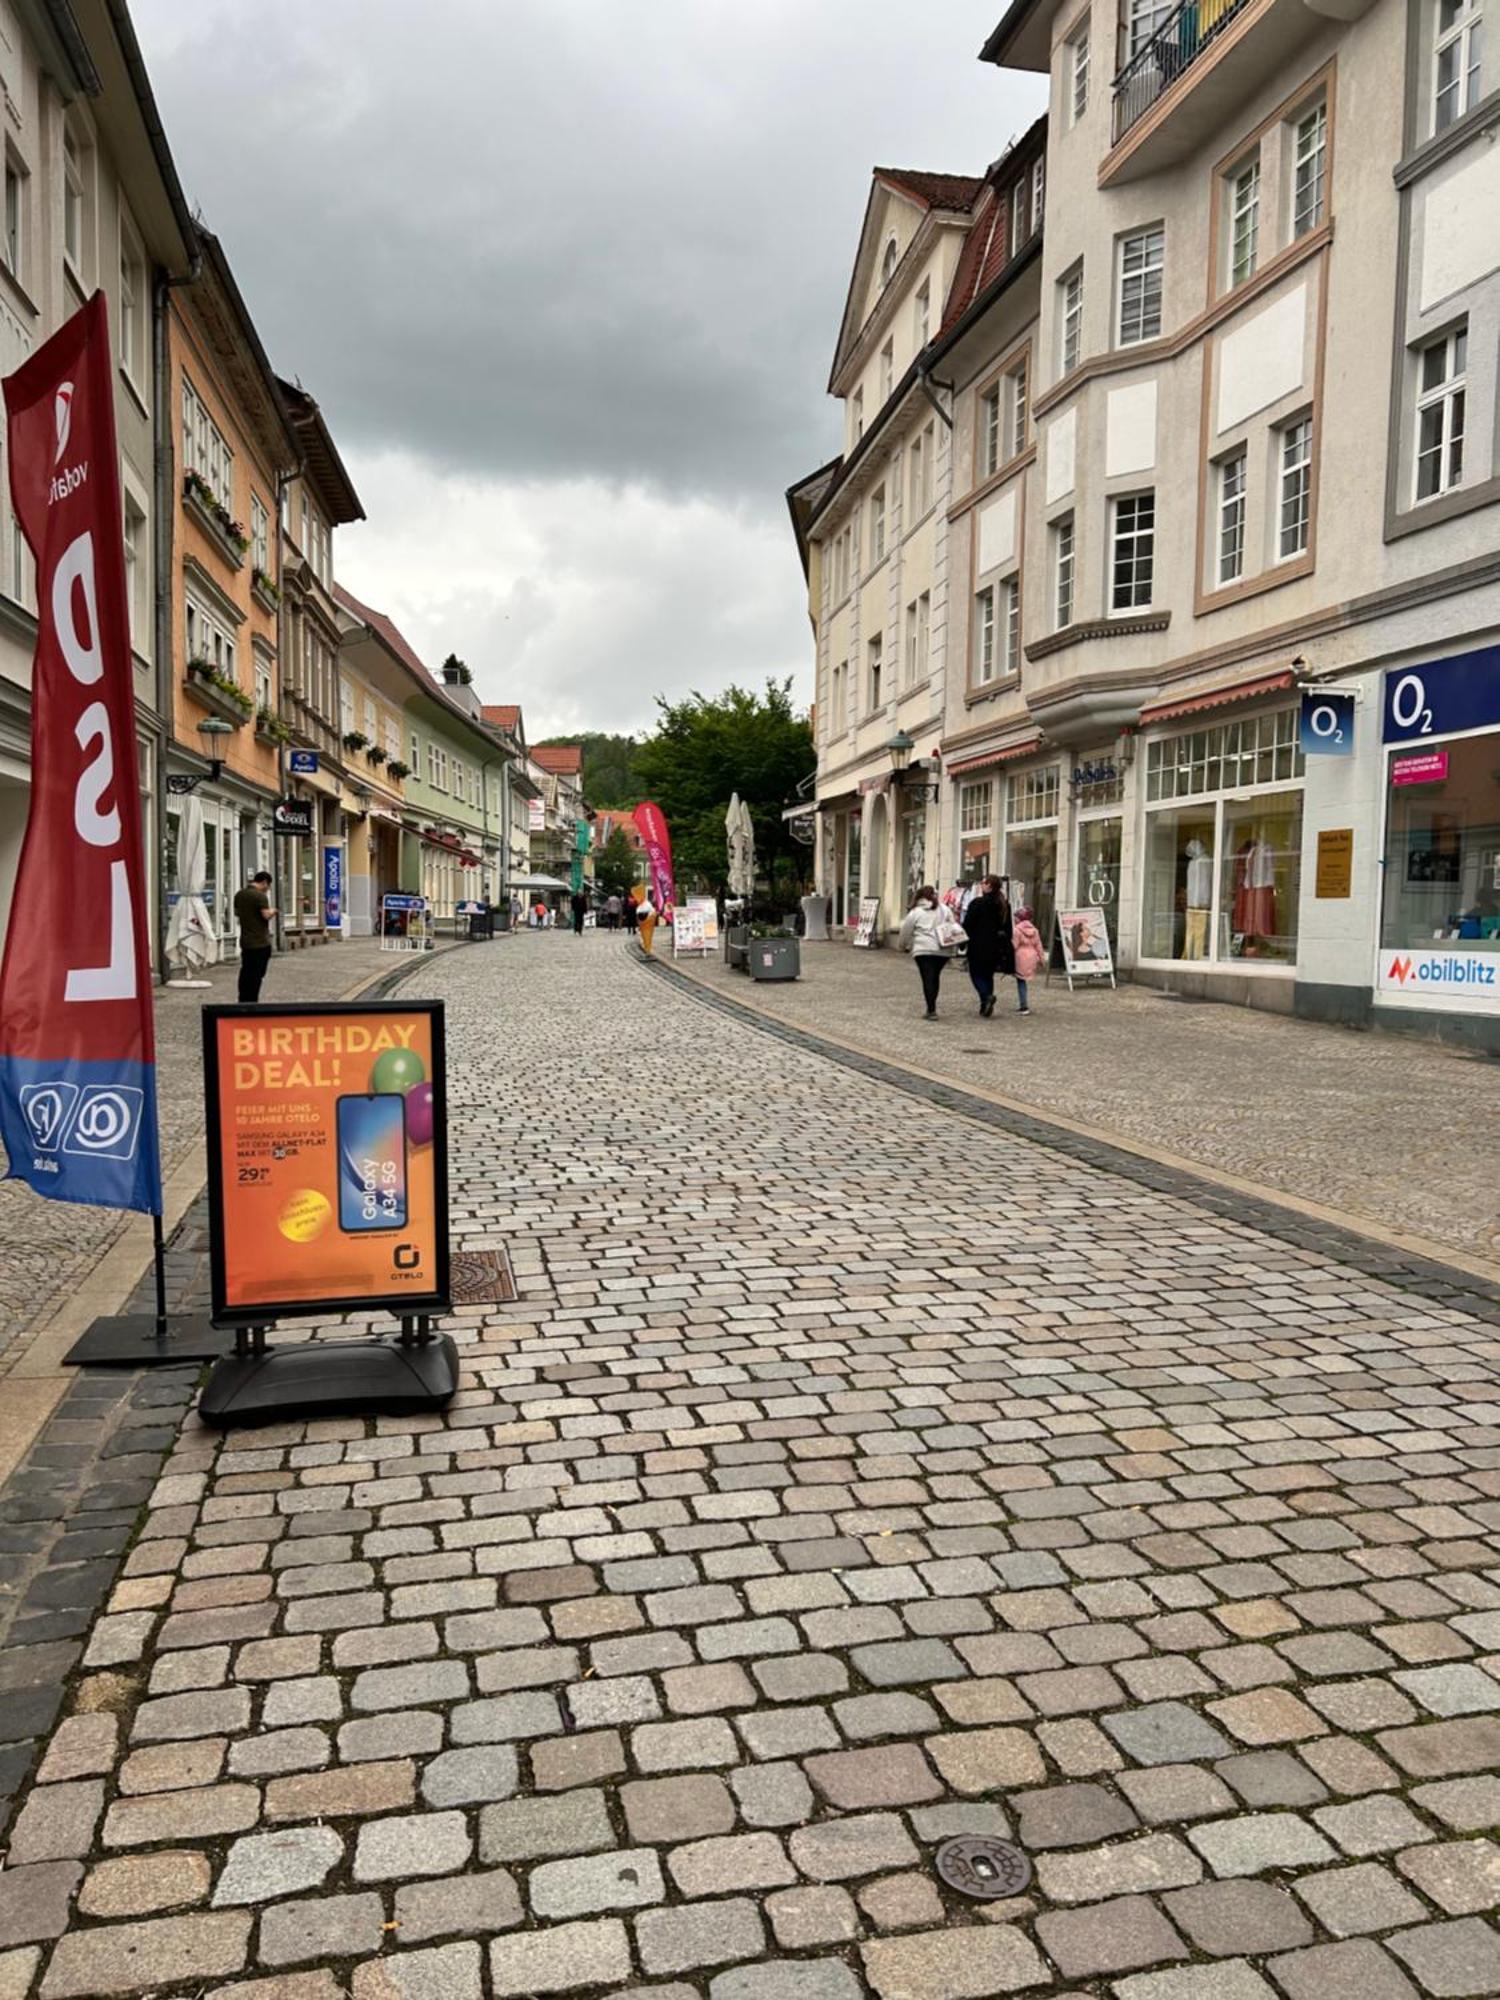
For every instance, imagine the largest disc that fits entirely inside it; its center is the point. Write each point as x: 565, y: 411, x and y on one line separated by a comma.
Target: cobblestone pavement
x: 45, y: 1245
x: 848, y: 1476
x: 1379, y: 1126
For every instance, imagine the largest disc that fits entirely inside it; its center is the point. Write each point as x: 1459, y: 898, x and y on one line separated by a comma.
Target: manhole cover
x: 482, y: 1278
x: 976, y: 1864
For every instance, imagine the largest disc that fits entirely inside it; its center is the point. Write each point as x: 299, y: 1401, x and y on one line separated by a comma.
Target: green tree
x: 614, y: 865
x: 707, y: 748
x: 609, y: 778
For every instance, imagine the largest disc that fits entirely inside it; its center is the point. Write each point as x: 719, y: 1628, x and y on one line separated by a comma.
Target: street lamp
x: 211, y: 729
x: 899, y: 750
x: 914, y: 784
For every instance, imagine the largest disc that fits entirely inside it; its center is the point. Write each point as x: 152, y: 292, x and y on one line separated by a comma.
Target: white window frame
x: 922, y: 313
x: 985, y: 612
x: 207, y: 638
x: 974, y: 802
x: 73, y: 202
x: 1070, y: 318
x: 875, y: 674
x: 1233, y: 479
x: 1309, y: 168
x: 1064, y: 570
x: 989, y: 431
x: 838, y: 703
x: 1244, y: 219
x: 1125, y: 543
x: 13, y: 233
x: 260, y: 535
x: 1018, y: 403
x: 1078, y: 71
x: 858, y: 409
x: 137, y: 540
x: 1294, y: 441
x: 1038, y: 191
x: 205, y: 448
x: 131, y: 335
x: 887, y: 370
x: 1447, y: 399
x: 1020, y: 209
x: 877, y: 525
x: 265, y: 681
x: 1460, y: 36
x: 1008, y: 613
x: 924, y: 635
x: 1140, y: 268
x: 1142, y: 19
x: 890, y: 258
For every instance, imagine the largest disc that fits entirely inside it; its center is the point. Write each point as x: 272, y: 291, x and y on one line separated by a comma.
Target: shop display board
x: 1085, y: 945
x: 709, y: 910
x: 689, y: 935
x: 868, y: 933
x: 328, y: 1160
x: 403, y: 923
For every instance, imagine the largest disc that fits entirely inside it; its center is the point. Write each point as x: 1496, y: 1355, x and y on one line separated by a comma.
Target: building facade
x: 92, y: 201
x: 518, y: 790
x: 561, y: 819
x: 1257, y: 551
x: 234, y: 447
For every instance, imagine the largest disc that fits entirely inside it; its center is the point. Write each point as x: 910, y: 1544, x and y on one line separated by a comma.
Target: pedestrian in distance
x: 1031, y: 954
x: 987, y: 922
x: 631, y: 913
x: 578, y: 903
x: 929, y: 933
x: 253, y: 913
x: 612, y: 913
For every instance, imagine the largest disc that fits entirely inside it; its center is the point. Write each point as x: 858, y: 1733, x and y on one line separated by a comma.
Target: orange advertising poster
x: 328, y: 1159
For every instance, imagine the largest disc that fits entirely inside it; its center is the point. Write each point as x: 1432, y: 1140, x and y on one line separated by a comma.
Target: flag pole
x: 159, y: 1257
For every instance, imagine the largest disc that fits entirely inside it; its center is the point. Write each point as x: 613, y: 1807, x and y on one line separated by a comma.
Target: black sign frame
x: 292, y: 818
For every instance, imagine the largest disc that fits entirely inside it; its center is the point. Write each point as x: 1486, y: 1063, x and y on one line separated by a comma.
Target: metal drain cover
x: 979, y: 1865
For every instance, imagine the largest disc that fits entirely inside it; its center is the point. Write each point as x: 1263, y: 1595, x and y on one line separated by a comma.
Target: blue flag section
x: 82, y: 1131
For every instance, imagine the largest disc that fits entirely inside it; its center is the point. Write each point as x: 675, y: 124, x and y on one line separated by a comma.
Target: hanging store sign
x: 303, y: 763
x: 293, y: 818
x: 1325, y: 727
x: 327, y: 1149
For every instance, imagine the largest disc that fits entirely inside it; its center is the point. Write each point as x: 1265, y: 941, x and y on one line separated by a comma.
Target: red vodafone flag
x: 77, y: 1046
x: 652, y: 826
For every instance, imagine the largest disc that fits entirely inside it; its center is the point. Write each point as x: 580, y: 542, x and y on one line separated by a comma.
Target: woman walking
x: 1031, y: 955
x: 991, y: 952
x: 923, y: 932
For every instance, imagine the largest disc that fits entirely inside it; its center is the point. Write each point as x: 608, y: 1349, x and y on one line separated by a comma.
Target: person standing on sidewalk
x: 253, y: 913
x: 922, y: 935
x: 579, y: 904
x: 991, y: 952
x: 1031, y: 955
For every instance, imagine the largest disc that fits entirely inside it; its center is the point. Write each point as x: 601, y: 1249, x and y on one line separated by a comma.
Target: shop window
x: 1259, y: 750
x: 1442, y: 850
x: 1033, y: 794
x: 1099, y: 847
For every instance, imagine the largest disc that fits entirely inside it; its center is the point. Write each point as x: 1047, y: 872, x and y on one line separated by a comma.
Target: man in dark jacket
x: 991, y: 952
x: 580, y: 908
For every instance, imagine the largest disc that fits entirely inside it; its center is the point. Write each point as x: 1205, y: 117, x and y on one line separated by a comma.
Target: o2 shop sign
x: 1443, y: 697
x: 1325, y: 727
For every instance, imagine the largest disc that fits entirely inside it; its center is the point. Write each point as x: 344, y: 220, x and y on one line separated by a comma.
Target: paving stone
x: 17, y: 1970
x: 866, y: 1717
x: 798, y: 1677
x: 1371, y: 1826
x: 604, y: 1703
x: 136, y: 1885
x: 1366, y: 1897
x: 1444, y: 1749
x: 565, y: 1761
x: 837, y: 1850
x: 1458, y: 1958
x: 444, y: 1972
x: 321, y: 1928
x: 772, y: 1794
x: 787, y: 1979
x: 162, y: 1951
x: 672, y: 1809
x: 1126, y: 1868
x: 906, y: 1663
x: 787, y: 1732
x: 223, y: 1711
x: 275, y: 1752
x: 896, y: 1774
x: 480, y: 1903
x: 688, y: 1936
x: 1461, y: 1876
x: 1272, y: 1778
x: 57, y: 1822
x: 1468, y: 1805
x: 412, y: 1686
x: 986, y: 1760
x: 901, y: 1902
x: 722, y: 1866
x: 471, y: 1777
x: 345, y: 1794
x: 1165, y: 1732
x: 34, y: 1901
x: 590, y: 1884
x: 373, y: 1738
x: 264, y: 1866
x: 283, y: 1986
x: 1108, y: 1937
x: 809, y: 1915
x: 1166, y: 1792
x: 532, y: 1829
x: 684, y: 1746
x: 1451, y: 1690
x: 711, y: 1690
x: 82, y: 1746
x: 1236, y: 1981
x: 967, y: 1964
x: 1072, y: 1816
x: 1239, y: 1919
x: 1358, y: 1970
x: 1258, y: 1841
x: 431, y: 1843
x: 194, y: 1815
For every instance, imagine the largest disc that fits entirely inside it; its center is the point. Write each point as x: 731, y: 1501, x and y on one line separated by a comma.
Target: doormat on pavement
x: 482, y: 1278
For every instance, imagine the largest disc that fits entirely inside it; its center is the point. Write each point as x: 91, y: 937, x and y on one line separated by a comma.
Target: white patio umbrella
x: 747, y: 849
x: 735, y: 836
x: 190, y: 933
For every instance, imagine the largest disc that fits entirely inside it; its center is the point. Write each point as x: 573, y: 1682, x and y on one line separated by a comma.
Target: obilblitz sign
x: 1441, y: 975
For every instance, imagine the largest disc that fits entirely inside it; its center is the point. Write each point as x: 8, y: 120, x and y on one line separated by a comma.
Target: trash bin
x: 481, y: 925
x: 776, y: 958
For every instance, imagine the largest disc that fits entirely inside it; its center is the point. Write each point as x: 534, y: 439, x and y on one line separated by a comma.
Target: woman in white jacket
x: 921, y: 935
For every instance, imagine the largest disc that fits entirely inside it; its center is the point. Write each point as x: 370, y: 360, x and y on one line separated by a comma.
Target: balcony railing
x: 1187, y: 32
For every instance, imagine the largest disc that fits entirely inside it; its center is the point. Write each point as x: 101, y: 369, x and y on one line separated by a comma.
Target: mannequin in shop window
x: 1254, y: 914
x: 1200, y: 896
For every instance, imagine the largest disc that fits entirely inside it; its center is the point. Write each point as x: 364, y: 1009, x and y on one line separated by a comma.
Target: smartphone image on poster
x: 372, y: 1162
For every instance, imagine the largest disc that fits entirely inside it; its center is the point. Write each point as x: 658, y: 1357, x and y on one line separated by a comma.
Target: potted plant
x: 264, y: 589
x: 355, y: 739
x: 397, y: 770
x: 270, y: 727
x: 375, y: 755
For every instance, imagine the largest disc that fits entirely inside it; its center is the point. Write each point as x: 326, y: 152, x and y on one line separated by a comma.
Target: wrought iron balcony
x: 1187, y: 33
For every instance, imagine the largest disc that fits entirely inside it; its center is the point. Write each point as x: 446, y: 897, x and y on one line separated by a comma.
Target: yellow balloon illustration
x: 305, y: 1214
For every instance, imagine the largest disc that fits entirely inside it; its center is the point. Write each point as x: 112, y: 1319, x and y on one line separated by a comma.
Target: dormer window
x: 888, y: 263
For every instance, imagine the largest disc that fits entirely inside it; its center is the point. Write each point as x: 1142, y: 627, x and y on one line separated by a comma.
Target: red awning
x: 987, y: 759
x: 1168, y: 711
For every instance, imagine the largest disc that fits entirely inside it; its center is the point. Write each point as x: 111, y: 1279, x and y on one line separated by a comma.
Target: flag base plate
x: 316, y: 1378
x: 128, y: 1340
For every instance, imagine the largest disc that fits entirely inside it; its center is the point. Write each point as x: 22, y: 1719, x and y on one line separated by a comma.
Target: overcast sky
x: 565, y: 276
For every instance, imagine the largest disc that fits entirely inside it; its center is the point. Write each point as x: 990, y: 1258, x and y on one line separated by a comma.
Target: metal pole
x: 159, y: 1255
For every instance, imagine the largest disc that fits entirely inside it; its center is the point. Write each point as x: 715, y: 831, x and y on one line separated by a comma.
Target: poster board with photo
x: 708, y: 909
x: 689, y: 935
x: 867, y: 932
x: 1086, y: 949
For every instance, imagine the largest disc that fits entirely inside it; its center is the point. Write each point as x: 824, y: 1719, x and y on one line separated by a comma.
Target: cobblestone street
x: 850, y: 1474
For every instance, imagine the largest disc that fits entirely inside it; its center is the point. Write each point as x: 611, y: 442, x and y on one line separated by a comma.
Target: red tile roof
x: 566, y: 758
x: 388, y: 631
x: 501, y: 716
x: 981, y: 258
x: 950, y: 191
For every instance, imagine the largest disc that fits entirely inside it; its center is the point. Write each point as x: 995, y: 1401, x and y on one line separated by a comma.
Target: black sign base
x: 129, y: 1340
x: 318, y: 1378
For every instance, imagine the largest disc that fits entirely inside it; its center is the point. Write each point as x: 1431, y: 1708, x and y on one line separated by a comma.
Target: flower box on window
x: 215, y: 518
x: 269, y: 727
x: 214, y: 689
x: 397, y: 770
x: 265, y: 593
x: 375, y: 755
x: 354, y: 739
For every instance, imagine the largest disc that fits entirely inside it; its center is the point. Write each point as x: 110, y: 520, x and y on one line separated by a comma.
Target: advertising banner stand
x: 327, y: 1195
x: 1086, y: 954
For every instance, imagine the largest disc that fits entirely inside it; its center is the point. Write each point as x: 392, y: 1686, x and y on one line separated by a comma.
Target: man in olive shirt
x: 252, y: 909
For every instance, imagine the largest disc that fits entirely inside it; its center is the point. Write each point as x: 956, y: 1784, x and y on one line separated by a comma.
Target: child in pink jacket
x: 1031, y: 953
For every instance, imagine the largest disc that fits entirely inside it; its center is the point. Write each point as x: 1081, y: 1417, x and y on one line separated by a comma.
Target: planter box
x: 737, y: 948
x: 212, y: 526
x: 776, y: 958
x: 215, y: 699
x: 262, y: 596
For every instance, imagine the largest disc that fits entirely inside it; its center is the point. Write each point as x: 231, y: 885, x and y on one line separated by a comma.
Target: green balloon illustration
x: 397, y: 1070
